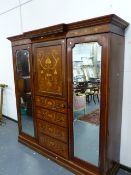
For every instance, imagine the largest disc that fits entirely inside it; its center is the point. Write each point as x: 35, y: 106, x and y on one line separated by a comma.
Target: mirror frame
x: 103, y: 42
x: 15, y: 50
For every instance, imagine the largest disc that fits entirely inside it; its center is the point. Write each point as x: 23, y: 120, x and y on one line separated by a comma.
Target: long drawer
x: 53, y: 145
x: 52, y: 130
x: 51, y: 116
x: 50, y: 103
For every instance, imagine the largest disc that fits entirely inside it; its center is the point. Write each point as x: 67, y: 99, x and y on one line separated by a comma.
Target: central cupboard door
x: 51, y: 96
x: 50, y: 68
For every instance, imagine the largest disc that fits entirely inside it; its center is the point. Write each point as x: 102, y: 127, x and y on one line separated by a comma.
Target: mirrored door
x: 85, y: 59
x: 24, y: 91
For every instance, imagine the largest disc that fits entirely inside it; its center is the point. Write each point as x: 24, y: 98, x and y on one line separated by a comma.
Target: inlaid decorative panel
x: 54, y: 145
x: 50, y: 103
x: 53, y: 130
x: 49, y: 69
x: 52, y: 116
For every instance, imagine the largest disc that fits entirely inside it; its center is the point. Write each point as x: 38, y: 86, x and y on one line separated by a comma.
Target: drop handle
x: 63, y: 106
x: 50, y: 130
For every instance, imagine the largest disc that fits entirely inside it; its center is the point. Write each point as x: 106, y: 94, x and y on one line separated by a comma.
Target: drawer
x: 50, y: 103
x: 52, y: 116
x: 53, y: 145
x: 52, y: 130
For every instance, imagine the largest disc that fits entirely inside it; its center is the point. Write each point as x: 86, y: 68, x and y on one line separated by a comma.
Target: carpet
x: 93, y: 117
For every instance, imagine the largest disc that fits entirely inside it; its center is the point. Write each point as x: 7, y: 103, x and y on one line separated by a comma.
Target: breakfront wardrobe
x: 68, y: 83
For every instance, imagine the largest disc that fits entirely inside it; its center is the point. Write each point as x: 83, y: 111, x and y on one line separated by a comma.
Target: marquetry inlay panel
x: 54, y: 145
x: 51, y: 116
x: 49, y: 69
x: 50, y: 103
x: 52, y: 130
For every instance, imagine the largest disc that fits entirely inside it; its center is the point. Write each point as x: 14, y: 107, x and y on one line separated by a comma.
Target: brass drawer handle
x: 51, y: 144
x: 59, y: 106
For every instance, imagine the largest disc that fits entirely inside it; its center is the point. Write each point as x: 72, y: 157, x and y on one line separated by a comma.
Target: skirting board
x: 128, y: 169
x: 10, y: 118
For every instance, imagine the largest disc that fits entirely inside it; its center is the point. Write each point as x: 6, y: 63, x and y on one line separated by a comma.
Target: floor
x: 17, y: 159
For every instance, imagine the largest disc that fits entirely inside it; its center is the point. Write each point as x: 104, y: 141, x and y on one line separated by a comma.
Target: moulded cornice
x: 64, y: 28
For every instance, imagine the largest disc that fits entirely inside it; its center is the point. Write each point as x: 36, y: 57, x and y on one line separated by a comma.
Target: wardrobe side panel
x: 116, y: 67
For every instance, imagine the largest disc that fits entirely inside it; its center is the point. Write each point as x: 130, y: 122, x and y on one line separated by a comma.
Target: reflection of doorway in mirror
x: 91, y: 73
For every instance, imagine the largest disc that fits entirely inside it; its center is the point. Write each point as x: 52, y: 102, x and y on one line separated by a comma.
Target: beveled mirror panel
x: 86, y: 101
x: 23, y: 77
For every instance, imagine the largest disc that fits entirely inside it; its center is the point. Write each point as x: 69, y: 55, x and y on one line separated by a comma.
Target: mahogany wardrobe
x: 69, y: 84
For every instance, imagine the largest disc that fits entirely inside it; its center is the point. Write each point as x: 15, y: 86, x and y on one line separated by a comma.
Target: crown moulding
x: 63, y: 28
x: 113, y: 19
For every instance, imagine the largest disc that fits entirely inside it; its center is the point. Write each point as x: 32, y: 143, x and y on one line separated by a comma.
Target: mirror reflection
x: 24, y: 91
x: 86, y: 101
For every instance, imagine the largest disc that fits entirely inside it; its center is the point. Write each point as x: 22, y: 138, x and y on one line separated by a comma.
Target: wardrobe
x: 69, y: 88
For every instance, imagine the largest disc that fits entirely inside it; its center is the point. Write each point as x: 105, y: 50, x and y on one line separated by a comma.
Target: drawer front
x: 53, y: 130
x: 52, y: 116
x: 53, y: 145
x: 50, y: 103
